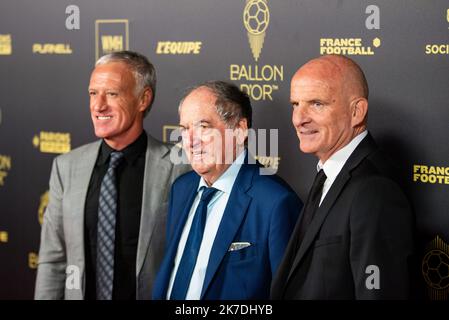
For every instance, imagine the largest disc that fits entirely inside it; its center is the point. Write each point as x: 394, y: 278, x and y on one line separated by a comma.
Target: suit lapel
x: 82, y: 172
x: 233, y: 216
x: 155, y: 181
x: 319, y: 218
x: 186, y: 202
x: 179, y: 221
x: 365, y: 147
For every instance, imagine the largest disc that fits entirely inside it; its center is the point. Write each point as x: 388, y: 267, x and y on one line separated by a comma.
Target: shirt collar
x: 226, y: 181
x: 130, y: 153
x: 335, y: 163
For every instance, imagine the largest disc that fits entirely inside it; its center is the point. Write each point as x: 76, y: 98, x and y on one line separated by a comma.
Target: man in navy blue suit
x: 228, y: 224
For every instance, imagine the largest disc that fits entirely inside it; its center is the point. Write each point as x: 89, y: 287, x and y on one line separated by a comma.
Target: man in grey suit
x: 103, y: 230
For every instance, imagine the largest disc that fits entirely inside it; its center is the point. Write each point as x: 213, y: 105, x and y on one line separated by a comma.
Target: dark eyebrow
x: 202, y: 122
x: 197, y: 122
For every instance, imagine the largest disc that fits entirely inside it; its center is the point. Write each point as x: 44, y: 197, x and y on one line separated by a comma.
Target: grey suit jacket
x: 61, y: 268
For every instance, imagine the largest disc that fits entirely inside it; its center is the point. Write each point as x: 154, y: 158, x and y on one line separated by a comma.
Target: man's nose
x: 196, y: 137
x: 300, y: 115
x: 187, y: 137
x: 100, y: 103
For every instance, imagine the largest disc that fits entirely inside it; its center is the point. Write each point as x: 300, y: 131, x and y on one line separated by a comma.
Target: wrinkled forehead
x: 116, y: 72
x: 199, y: 97
x: 320, y: 73
x: 320, y: 69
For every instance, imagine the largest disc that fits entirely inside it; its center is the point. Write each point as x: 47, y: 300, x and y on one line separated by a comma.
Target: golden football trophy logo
x: 256, y: 17
x: 435, y: 269
x: 42, y: 206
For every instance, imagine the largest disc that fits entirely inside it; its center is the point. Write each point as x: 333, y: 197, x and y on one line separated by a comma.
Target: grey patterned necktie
x: 107, y: 210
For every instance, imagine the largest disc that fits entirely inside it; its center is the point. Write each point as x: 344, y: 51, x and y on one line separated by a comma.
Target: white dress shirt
x: 215, y: 211
x: 335, y: 163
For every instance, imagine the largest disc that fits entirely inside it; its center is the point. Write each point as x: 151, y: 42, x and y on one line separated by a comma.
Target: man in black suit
x: 354, y: 237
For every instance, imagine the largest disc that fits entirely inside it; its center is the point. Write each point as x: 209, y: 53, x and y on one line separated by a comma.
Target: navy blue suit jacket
x: 261, y: 210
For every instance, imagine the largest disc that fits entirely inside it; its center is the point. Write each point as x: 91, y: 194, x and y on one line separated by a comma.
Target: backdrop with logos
x: 48, y: 49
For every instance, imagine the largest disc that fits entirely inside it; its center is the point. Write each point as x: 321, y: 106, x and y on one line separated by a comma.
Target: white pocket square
x: 238, y: 246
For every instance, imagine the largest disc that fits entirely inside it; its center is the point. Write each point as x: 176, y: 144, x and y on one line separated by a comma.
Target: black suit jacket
x: 364, y: 222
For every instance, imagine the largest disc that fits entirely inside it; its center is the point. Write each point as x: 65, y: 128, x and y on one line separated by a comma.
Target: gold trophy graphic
x: 256, y: 17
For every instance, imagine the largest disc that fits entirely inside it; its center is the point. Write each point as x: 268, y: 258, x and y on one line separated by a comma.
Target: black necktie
x: 312, y: 204
x: 192, y: 247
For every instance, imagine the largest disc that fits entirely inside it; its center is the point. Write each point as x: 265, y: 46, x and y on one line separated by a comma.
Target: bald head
x: 330, y: 106
x: 343, y: 70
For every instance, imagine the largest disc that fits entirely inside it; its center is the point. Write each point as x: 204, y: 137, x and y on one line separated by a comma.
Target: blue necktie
x: 192, y: 247
x: 107, y: 210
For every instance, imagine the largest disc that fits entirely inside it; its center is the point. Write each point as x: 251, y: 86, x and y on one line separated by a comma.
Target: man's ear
x: 145, y: 98
x: 241, y: 131
x: 359, y: 112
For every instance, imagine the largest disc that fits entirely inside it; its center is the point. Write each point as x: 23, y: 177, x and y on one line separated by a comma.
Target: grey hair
x: 142, y: 69
x: 232, y: 103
